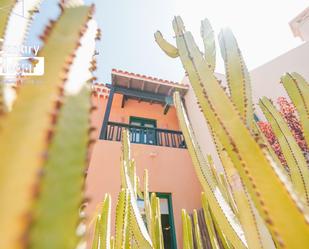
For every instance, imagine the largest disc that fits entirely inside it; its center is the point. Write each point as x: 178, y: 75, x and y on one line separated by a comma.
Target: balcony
x: 145, y: 135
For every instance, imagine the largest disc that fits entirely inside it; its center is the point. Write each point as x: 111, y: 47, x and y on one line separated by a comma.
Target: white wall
x: 266, y: 78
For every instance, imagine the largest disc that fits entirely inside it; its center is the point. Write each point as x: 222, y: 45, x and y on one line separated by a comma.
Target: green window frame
x: 143, y: 121
x: 141, y: 133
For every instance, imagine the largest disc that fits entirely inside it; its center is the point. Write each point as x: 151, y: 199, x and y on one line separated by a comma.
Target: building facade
x: 144, y: 106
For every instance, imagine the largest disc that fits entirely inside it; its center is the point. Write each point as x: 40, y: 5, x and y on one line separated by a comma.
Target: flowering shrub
x: 272, y: 140
x: 288, y: 111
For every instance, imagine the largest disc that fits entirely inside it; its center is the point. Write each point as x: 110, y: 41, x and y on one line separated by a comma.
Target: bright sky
x: 261, y: 27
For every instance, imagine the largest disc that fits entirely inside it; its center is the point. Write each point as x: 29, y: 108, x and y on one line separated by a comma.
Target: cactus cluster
x: 131, y: 231
x: 256, y: 202
x: 45, y: 135
x: 260, y: 199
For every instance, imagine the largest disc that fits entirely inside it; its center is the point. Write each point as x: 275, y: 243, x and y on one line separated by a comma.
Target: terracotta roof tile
x: 147, y: 77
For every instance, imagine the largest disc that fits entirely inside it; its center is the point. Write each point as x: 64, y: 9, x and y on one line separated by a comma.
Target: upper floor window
x: 143, y: 130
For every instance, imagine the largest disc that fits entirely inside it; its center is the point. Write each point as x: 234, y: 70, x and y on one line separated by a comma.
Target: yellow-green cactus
x: 208, y: 37
x: 269, y: 189
x: 187, y: 230
x: 96, y: 237
x: 296, y: 161
x: 209, y: 223
x: 102, y: 239
x: 131, y: 230
x: 197, y: 234
x: 222, y: 211
x: 298, y: 90
x: 122, y: 220
x: 237, y: 76
x: 24, y: 144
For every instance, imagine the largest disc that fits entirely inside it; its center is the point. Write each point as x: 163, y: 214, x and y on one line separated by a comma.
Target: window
x: 143, y: 130
x: 167, y: 219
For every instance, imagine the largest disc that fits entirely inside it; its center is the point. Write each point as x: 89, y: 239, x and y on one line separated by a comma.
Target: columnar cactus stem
x: 208, y: 37
x: 168, y: 48
x: 295, y: 159
x: 187, y: 230
x: 137, y: 225
x: 222, y: 211
x: 257, y: 170
x: 122, y: 219
x: 237, y: 76
x: 96, y: 237
x: 197, y: 233
x: 24, y: 150
x: 298, y: 90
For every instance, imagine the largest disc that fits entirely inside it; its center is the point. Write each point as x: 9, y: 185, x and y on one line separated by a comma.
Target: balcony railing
x: 145, y: 135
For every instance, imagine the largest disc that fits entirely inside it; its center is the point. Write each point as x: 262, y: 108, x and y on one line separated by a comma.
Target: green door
x: 142, y: 130
x: 167, y: 219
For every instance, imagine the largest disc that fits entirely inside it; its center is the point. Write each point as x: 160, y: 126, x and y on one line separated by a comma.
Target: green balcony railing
x: 145, y: 135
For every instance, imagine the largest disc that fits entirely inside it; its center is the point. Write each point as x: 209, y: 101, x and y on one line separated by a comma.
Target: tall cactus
x: 230, y: 120
x: 222, y: 211
x: 48, y: 125
x: 102, y: 227
x: 298, y: 90
x: 131, y: 230
x: 296, y: 161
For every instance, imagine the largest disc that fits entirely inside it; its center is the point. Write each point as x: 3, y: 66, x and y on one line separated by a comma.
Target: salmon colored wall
x: 170, y: 171
x: 133, y: 108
